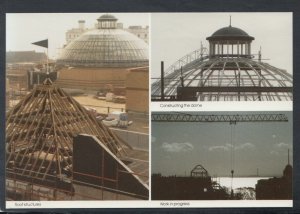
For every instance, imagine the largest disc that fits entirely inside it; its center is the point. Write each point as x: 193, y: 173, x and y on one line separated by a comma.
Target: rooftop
x: 230, y: 33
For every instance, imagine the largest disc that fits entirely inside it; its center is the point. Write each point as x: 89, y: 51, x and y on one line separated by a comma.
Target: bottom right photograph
x: 222, y: 155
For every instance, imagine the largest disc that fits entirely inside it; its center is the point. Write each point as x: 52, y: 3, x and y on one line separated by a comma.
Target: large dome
x: 105, y: 48
x: 230, y: 33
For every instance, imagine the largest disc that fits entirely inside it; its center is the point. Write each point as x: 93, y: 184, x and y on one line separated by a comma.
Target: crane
x: 232, y: 119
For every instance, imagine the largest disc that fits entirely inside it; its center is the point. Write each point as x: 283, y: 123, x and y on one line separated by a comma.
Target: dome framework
x: 227, y: 73
x: 106, y: 46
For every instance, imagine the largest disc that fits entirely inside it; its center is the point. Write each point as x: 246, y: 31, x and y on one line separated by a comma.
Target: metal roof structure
x: 230, y: 33
x: 106, y: 46
x: 227, y: 71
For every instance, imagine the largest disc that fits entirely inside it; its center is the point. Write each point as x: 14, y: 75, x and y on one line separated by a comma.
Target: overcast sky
x: 22, y: 29
x: 173, y: 35
x: 177, y: 147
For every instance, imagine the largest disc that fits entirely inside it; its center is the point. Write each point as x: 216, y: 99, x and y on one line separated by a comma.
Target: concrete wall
x: 137, y: 140
x: 137, y: 90
x: 91, y: 78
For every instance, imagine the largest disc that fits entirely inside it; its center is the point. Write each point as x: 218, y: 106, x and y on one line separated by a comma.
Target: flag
x: 43, y: 43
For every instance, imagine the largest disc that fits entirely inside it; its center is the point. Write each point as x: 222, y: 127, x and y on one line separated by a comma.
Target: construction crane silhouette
x: 232, y: 119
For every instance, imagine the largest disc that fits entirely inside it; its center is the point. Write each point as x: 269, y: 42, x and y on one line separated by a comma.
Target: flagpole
x: 47, y: 71
x: 44, y: 43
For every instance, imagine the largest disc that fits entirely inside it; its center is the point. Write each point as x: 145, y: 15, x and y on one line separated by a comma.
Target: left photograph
x: 77, y: 106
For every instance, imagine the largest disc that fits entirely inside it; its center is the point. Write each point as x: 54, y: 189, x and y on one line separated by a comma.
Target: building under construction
x: 197, y: 186
x: 57, y: 150
x: 227, y: 71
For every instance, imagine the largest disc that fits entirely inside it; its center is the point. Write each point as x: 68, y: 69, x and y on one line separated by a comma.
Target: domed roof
x: 230, y: 33
x: 105, y: 48
x: 107, y: 17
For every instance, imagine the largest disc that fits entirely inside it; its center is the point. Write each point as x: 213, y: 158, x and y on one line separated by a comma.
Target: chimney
x: 81, y: 24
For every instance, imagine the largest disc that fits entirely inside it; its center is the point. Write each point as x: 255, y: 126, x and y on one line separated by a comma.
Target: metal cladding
x: 230, y: 33
x: 40, y: 131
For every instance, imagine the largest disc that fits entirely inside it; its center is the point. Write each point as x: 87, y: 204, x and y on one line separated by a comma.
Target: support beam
x: 181, y: 117
x: 233, y: 89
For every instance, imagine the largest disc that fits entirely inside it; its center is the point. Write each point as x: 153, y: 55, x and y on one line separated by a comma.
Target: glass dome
x: 105, y: 48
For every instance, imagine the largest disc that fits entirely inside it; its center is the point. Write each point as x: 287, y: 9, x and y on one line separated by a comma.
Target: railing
x: 107, y: 109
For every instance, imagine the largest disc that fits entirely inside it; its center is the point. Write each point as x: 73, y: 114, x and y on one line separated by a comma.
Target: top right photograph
x: 222, y: 57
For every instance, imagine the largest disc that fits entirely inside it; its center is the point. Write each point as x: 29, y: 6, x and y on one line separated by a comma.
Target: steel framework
x: 199, y: 171
x: 198, y: 76
x: 230, y: 118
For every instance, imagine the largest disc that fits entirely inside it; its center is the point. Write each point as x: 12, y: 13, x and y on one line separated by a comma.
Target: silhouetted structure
x: 276, y: 188
x: 198, y: 186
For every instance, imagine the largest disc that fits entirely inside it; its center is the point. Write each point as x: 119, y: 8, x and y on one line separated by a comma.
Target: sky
x: 179, y: 146
x: 173, y: 35
x: 22, y: 29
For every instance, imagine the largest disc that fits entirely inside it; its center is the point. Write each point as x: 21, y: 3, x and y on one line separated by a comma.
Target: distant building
x: 76, y: 32
x: 139, y: 31
x: 25, y: 56
x: 276, y: 188
x: 18, y: 63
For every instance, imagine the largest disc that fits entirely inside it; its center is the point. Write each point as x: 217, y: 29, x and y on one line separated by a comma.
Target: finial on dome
x: 230, y: 21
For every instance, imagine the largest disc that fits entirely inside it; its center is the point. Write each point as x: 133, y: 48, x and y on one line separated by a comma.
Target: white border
x: 173, y: 106
x: 222, y: 106
x: 148, y: 204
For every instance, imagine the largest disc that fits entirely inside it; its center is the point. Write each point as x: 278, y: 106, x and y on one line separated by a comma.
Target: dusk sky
x: 177, y: 147
x: 22, y: 29
x: 174, y: 35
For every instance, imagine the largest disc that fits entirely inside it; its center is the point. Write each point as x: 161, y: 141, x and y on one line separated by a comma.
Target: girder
x: 240, y: 72
x: 235, y: 89
x: 231, y: 118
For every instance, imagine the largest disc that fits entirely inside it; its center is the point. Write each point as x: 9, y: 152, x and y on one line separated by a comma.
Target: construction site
x: 77, y: 131
x: 230, y: 159
x: 228, y: 70
x: 198, y: 186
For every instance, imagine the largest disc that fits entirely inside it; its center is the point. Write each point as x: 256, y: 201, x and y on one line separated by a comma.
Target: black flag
x: 43, y: 43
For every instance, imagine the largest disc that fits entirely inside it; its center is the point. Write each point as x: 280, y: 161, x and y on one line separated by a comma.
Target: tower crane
x: 232, y: 119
